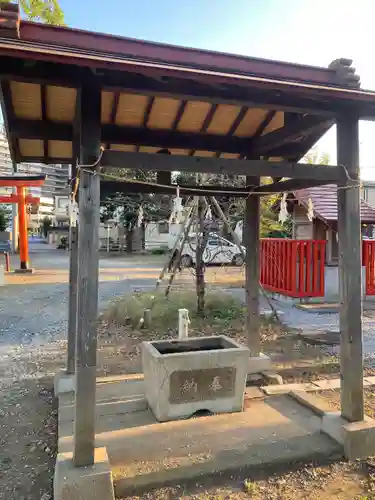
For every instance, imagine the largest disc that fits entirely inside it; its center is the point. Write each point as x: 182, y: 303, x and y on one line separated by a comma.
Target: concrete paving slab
x: 327, y: 384
x: 145, y: 454
x: 286, y: 388
x: 318, y: 405
x: 319, y: 307
x: 106, y: 408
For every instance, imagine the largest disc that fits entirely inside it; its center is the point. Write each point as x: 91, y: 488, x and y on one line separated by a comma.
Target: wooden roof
x: 324, y: 202
x: 154, y: 96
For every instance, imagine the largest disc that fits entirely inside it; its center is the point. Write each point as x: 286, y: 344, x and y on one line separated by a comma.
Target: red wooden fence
x: 368, y: 260
x: 293, y: 267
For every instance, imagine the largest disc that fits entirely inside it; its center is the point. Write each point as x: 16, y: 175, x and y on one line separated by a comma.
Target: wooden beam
x: 267, y: 120
x: 248, y: 95
x: 235, y: 125
x: 112, y: 187
x: 179, y: 114
x: 146, y: 116
x: 252, y: 243
x: 293, y: 131
x: 205, y: 124
x: 171, y: 163
x: 88, y: 275
x: 288, y: 185
x: 350, y: 271
x: 115, y: 134
x: 294, y: 151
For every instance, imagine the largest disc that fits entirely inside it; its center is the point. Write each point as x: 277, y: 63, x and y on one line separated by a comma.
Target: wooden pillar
x: 22, y: 227
x: 88, y: 277
x: 251, y: 240
x: 73, y: 254
x: 164, y: 178
x: 349, y: 231
x: 72, y: 317
x: 199, y: 253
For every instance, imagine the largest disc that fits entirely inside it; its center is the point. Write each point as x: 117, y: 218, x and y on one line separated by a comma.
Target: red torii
x: 21, y: 182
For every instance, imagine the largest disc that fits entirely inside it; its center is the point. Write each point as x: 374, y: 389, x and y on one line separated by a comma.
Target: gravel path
x: 293, y: 317
x: 37, y: 313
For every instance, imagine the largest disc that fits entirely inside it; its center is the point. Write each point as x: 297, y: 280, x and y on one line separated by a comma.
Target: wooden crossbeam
x: 289, y: 185
x: 112, y: 187
x: 145, y: 161
x: 114, y: 134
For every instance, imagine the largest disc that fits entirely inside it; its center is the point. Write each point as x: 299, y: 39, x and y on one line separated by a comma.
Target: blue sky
x: 303, y: 31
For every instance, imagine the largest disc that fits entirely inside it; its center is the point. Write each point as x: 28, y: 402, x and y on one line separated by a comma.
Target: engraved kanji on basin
x: 201, y: 373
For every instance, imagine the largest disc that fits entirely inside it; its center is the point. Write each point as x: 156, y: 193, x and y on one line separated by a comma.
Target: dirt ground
x: 28, y: 423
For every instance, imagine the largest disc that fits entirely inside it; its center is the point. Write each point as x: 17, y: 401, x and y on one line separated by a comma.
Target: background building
x: 55, y: 186
x: 6, y: 166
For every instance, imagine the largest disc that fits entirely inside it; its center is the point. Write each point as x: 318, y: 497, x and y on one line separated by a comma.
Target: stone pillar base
x: 63, y: 383
x: 357, y: 438
x: 83, y: 483
x: 30, y: 270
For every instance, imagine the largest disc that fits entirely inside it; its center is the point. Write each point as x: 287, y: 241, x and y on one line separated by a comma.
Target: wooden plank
x: 171, y: 163
x: 72, y: 304
x: 252, y: 243
x: 350, y: 271
x: 88, y: 276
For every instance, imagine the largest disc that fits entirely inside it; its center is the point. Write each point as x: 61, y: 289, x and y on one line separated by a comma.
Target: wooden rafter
x: 116, y: 100
x: 205, y: 124
x: 179, y: 114
x: 235, y: 124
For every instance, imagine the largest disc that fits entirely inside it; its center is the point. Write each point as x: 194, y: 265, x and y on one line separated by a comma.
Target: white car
x: 218, y: 251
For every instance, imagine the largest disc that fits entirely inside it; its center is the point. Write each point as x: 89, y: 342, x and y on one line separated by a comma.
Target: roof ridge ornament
x: 10, y: 19
x: 345, y: 73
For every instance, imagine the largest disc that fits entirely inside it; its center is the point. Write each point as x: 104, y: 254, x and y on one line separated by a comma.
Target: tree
x: 46, y: 11
x: 4, y: 217
x: 126, y: 206
x: 317, y: 157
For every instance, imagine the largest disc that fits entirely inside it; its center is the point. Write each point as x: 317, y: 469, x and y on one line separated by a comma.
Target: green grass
x: 163, y: 250
x: 220, y: 309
